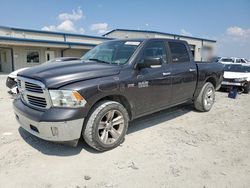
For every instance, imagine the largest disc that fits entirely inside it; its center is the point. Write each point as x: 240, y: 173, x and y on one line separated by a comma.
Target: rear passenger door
x: 183, y: 72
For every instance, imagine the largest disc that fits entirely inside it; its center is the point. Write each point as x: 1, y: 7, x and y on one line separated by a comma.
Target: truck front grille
x: 37, y: 101
x: 33, y: 93
x: 33, y: 87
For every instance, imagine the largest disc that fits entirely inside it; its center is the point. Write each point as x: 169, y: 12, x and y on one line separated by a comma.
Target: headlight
x: 66, y: 98
x: 240, y: 79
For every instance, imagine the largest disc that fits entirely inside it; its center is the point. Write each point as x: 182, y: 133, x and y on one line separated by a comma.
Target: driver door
x: 153, y: 84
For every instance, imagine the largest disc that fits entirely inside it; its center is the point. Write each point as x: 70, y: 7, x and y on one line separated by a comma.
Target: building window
x: 33, y: 56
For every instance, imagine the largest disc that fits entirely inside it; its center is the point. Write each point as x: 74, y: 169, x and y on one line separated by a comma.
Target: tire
x: 102, y: 131
x: 206, y: 98
x: 246, y: 88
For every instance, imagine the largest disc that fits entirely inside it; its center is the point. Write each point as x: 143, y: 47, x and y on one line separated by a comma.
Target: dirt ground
x: 178, y: 147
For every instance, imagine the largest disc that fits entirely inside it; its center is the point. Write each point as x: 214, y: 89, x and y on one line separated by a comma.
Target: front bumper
x: 226, y: 83
x: 58, y: 130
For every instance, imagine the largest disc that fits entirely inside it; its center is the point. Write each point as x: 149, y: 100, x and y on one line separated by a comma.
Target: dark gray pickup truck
x: 114, y: 83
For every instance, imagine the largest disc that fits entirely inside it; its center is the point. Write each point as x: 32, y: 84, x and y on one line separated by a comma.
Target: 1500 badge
x: 142, y: 84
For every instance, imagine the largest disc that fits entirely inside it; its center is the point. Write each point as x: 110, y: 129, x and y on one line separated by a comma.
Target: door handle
x: 166, y: 73
x: 192, y: 70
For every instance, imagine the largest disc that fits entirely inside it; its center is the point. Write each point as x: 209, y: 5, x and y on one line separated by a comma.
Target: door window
x: 237, y: 60
x: 179, y: 52
x: 242, y: 61
x: 156, y: 49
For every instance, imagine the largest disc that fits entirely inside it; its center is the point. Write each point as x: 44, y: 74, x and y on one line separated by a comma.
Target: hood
x: 233, y: 75
x: 14, y: 74
x: 58, y: 74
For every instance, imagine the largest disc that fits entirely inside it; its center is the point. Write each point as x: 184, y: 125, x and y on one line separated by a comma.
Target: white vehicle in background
x: 11, y: 79
x: 240, y: 60
x: 225, y: 60
x: 237, y: 74
x: 229, y: 60
x: 244, y: 60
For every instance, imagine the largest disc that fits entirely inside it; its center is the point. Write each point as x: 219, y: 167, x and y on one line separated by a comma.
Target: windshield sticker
x: 134, y: 43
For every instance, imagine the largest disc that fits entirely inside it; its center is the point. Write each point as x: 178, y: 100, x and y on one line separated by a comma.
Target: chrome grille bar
x: 33, y: 93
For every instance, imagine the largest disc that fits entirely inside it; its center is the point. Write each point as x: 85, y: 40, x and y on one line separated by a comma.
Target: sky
x: 226, y: 21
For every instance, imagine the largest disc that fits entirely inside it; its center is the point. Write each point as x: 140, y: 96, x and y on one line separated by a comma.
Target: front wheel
x: 106, y: 126
x: 206, y: 98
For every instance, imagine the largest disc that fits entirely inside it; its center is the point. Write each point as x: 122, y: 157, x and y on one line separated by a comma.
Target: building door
x: 6, y: 60
x: 192, y: 48
x: 49, y: 55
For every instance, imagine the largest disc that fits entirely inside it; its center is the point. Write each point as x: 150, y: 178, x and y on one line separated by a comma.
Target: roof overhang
x: 157, y: 32
x: 12, y: 41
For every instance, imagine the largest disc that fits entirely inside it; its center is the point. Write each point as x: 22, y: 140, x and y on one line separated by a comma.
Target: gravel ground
x: 178, y: 147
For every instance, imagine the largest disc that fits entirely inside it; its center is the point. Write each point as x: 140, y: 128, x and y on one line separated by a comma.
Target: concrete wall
x: 20, y: 55
x: 74, y: 53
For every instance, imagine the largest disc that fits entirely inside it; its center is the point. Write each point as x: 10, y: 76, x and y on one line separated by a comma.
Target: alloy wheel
x: 111, y: 127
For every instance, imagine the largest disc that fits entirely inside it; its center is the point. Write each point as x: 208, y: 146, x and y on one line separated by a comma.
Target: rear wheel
x: 106, y: 126
x: 206, y: 98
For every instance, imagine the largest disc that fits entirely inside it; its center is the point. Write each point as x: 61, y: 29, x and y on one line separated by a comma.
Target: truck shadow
x: 57, y: 149
x: 158, y: 117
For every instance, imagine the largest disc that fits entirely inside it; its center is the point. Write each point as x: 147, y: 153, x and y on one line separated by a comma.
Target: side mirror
x: 150, y: 62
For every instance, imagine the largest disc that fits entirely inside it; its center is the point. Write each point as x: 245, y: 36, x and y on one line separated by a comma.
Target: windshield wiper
x: 98, y: 60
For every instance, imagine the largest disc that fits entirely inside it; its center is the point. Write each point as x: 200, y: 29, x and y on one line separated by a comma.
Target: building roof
x: 53, y: 32
x: 45, y: 41
x: 65, y: 38
x: 157, y: 32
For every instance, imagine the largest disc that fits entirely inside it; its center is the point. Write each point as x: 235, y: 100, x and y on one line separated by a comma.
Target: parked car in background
x: 11, y: 79
x: 113, y: 83
x: 244, y: 60
x: 225, y: 60
x: 240, y: 60
x: 237, y: 75
x: 229, y: 60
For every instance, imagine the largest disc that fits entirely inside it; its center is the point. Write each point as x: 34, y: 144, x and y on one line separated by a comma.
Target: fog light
x: 54, y: 131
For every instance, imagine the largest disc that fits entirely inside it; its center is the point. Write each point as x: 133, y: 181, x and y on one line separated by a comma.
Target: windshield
x: 237, y: 68
x: 113, y: 52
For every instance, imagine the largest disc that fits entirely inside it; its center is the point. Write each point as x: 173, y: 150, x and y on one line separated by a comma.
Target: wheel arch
x: 212, y: 80
x: 118, y: 98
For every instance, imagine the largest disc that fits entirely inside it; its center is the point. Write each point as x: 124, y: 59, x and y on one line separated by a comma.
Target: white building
x: 25, y: 47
